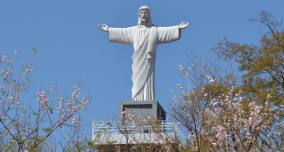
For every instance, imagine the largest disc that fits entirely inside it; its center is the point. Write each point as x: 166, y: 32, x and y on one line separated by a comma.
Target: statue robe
x: 144, y: 41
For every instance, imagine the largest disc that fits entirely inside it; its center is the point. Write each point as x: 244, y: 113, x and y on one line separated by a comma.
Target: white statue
x: 144, y: 37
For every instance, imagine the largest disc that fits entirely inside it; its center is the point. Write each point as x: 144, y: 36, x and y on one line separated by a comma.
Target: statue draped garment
x: 144, y: 41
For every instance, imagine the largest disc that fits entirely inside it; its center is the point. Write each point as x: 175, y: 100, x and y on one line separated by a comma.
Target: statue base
x: 142, y: 110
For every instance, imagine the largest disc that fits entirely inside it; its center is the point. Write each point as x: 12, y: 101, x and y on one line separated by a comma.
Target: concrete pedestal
x: 142, y: 110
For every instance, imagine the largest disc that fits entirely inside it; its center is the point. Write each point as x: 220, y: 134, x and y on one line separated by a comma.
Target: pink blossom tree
x: 30, y: 128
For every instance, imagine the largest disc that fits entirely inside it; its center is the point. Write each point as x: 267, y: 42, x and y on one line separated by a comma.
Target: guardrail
x: 106, y: 130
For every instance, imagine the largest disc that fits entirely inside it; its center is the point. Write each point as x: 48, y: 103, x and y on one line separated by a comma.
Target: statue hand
x: 183, y: 25
x: 103, y: 27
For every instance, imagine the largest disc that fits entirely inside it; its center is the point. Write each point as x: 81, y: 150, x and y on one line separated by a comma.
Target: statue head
x: 144, y: 16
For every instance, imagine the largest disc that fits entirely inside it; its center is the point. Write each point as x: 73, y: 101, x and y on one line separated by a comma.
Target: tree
x: 31, y: 128
x: 217, y: 117
x: 263, y: 64
x: 222, y: 115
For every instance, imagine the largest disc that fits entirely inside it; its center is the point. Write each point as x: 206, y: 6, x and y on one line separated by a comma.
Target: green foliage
x: 47, y: 130
x: 263, y: 65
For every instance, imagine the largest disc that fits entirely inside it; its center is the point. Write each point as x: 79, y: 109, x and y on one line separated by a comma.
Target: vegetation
x: 221, y: 115
x: 27, y: 125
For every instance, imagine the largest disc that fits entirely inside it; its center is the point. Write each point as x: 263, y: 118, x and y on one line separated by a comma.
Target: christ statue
x: 144, y: 38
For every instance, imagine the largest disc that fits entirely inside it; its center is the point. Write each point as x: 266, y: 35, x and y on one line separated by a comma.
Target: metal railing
x: 113, y: 129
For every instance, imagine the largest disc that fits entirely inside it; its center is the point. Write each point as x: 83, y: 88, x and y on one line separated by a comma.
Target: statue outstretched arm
x: 183, y: 25
x: 103, y: 27
x: 171, y: 33
x: 119, y: 35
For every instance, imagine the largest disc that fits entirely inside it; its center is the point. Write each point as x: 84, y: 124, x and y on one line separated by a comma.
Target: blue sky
x: 73, y: 51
